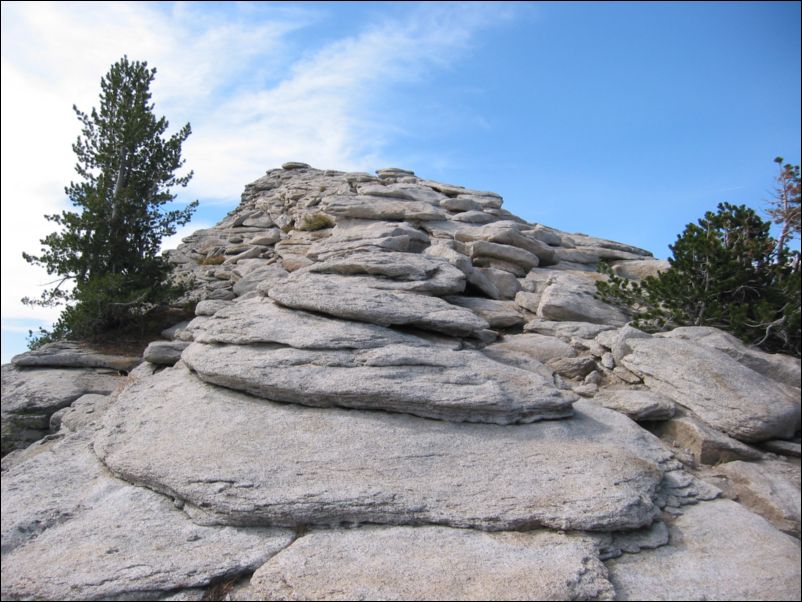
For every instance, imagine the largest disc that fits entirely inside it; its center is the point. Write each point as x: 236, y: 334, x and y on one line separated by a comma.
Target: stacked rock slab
x: 395, y: 389
x: 39, y: 384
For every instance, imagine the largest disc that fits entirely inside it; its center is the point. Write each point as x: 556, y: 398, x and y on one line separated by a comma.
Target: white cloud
x: 234, y: 70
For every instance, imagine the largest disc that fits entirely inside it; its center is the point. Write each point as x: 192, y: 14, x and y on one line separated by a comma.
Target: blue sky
x: 622, y: 120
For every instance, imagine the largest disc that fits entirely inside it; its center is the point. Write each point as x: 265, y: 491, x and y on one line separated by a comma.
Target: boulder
x: 410, y: 192
x: 709, y: 559
x: 474, y: 217
x: 249, y: 282
x: 776, y: 366
x: 397, y: 271
x: 164, y: 353
x: 499, y: 314
x: 261, y: 320
x: 567, y: 330
x: 725, y: 394
x: 791, y: 449
x: 569, y: 297
x: 638, y: 404
x: 31, y: 395
x: 381, y: 208
x: 497, y: 284
x: 638, y: 269
x: 770, y: 488
x: 508, y: 233
x: 703, y: 444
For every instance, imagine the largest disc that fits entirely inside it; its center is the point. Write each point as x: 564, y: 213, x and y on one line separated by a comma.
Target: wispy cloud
x: 254, y: 95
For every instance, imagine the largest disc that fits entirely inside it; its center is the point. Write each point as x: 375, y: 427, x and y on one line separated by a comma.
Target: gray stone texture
x: 357, y: 415
x: 640, y: 405
x: 462, y: 386
x: 354, y: 299
x: 286, y: 464
x: 770, y: 488
x: 90, y: 536
x: 434, y: 563
x: 721, y: 391
x: 69, y: 354
x: 31, y: 395
x: 709, y: 559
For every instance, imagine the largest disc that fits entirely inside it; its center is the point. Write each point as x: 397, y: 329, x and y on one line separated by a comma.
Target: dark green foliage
x: 109, y: 248
x: 726, y: 271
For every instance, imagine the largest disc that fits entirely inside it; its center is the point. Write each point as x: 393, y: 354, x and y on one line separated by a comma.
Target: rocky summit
x: 395, y: 389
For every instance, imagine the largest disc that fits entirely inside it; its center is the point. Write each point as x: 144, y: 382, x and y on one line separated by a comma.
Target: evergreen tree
x: 784, y: 208
x: 726, y: 271
x: 109, y: 247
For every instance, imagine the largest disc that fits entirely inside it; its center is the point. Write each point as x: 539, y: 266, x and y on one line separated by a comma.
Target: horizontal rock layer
x: 286, y: 465
x: 434, y: 563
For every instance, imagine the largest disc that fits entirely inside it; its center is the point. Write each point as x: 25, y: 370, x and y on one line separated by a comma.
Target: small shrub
x: 213, y: 260
x: 315, y: 221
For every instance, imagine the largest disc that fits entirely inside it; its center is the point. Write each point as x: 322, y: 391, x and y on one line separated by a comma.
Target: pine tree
x: 726, y: 271
x: 784, y: 208
x: 109, y: 247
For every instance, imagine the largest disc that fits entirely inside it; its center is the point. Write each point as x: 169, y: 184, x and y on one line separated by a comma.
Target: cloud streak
x: 236, y: 71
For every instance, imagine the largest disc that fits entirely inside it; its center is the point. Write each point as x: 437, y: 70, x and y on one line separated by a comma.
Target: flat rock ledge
x: 462, y: 386
x: 289, y: 465
x: 90, y: 536
x: 259, y: 347
x: 434, y: 563
x: 353, y: 299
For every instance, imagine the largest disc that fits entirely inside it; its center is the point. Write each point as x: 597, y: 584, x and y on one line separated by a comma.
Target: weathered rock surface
x: 69, y: 354
x: 380, y: 208
x: 776, y: 366
x: 569, y: 297
x: 567, y: 329
x: 791, y: 449
x: 357, y: 361
x: 31, y: 396
x: 638, y: 405
x: 90, y: 536
x: 353, y: 299
x: 396, y: 271
x: 449, y: 385
x: 522, y: 349
x: 261, y: 320
x: 638, y: 269
x: 710, y: 559
x: 288, y: 465
x: 704, y: 444
x: 164, y: 353
x: 434, y: 563
x: 499, y: 314
x: 717, y: 388
x: 769, y: 488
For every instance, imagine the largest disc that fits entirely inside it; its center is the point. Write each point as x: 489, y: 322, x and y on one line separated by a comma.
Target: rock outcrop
x: 395, y: 389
